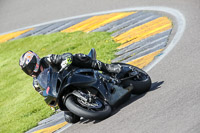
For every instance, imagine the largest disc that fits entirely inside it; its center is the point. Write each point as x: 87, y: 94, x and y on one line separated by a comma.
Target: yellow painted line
x: 144, y: 32
x: 144, y: 60
x: 97, y: 21
x: 6, y: 37
x: 141, y: 32
x: 145, y: 27
x: 52, y: 128
x: 84, y: 24
x: 110, y: 19
x: 164, y: 28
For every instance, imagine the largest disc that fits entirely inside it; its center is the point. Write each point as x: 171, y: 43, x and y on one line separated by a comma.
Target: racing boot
x: 107, y: 68
x: 70, y: 117
x: 116, y: 69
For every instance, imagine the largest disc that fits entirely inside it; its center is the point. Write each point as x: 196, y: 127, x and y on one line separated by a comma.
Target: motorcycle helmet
x: 30, y: 63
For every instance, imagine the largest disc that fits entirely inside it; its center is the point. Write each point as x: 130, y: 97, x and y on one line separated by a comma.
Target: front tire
x: 95, y: 114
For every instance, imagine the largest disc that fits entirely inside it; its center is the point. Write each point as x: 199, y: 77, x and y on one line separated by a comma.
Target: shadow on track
x: 154, y: 86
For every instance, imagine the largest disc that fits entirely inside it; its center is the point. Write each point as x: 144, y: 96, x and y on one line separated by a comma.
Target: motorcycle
x: 89, y: 93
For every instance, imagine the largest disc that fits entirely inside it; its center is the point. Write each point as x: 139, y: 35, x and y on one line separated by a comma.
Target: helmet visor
x: 28, y: 69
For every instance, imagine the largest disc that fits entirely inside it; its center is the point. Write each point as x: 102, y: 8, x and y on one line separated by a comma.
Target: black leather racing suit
x: 79, y: 60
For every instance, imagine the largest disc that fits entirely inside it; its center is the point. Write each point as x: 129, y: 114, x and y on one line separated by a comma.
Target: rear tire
x: 141, y: 85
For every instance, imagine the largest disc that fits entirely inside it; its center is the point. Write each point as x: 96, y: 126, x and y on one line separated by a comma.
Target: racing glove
x: 67, y: 61
x: 59, y: 62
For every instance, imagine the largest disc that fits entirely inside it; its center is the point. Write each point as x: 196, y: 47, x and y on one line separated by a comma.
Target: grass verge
x: 21, y: 107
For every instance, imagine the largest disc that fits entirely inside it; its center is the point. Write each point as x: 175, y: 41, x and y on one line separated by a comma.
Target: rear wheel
x: 96, y: 109
x: 141, y: 82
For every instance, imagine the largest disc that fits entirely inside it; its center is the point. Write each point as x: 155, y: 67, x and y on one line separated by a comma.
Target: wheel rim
x: 93, y: 105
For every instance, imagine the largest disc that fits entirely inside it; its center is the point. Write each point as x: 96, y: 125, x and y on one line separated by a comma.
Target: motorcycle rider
x: 32, y: 65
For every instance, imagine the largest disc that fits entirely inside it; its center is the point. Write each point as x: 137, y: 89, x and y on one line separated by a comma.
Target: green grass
x: 21, y: 107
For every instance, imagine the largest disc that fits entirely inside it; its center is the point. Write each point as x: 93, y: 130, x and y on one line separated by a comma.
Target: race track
x: 172, y: 105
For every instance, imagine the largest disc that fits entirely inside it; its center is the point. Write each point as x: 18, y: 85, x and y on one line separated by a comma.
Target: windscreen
x: 43, y: 78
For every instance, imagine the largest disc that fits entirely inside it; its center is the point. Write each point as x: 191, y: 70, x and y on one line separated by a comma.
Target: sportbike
x: 89, y: 93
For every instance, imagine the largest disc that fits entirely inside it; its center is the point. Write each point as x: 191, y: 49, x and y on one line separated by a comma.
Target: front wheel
x: 95, y: 110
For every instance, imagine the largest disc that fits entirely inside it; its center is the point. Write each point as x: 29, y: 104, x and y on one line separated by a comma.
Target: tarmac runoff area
x: 146, y: 36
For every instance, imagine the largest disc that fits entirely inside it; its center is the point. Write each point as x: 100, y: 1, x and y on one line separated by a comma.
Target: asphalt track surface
x: 172, y: 105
